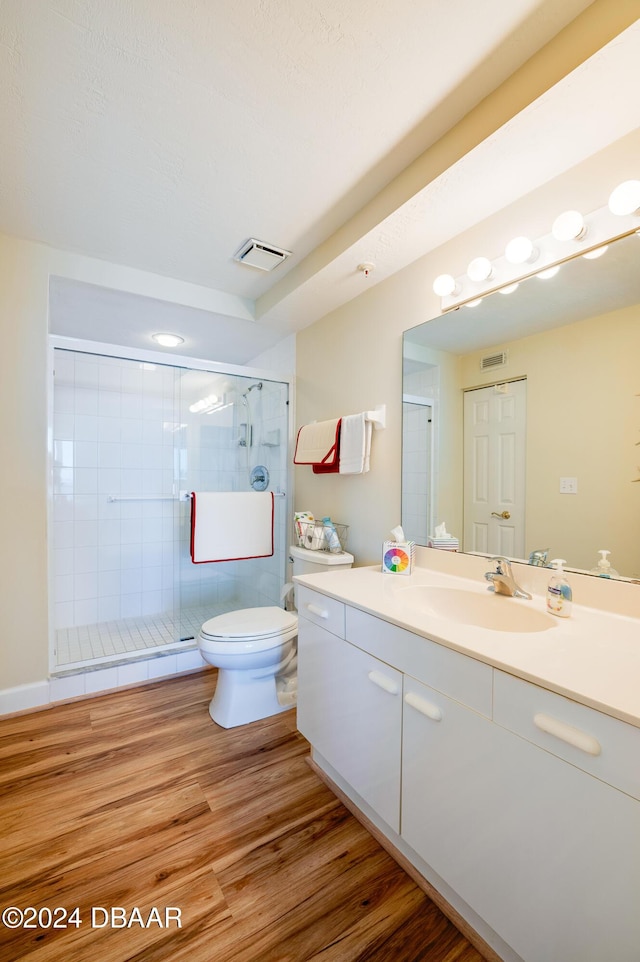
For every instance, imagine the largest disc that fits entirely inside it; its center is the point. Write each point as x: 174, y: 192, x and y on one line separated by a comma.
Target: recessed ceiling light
x: 168, y: 340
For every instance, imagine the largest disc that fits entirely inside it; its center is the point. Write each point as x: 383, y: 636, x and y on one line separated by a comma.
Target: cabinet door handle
x: 387, y: 684
x: 423, y: 706
x: 567, y: 733
x: 316, y: 610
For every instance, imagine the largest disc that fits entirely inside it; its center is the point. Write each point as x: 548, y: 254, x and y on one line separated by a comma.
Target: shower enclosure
x: 130, y: 438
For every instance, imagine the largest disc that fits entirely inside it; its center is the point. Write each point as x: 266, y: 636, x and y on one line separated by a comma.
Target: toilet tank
x: 307, y: 562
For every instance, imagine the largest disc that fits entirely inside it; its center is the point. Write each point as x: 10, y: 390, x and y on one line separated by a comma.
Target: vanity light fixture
x: 549, y: 272
x: 569, y: 226
x: 479, y: 269
x: 625, y: 199
x: 168, y: 340
x: 520, y: 250
x: 445, y: 285
x: 596, y: 252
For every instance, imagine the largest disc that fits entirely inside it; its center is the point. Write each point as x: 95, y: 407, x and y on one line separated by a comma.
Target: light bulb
x: 474, y: 302
x: 625, y: 199
x: 510, y: 288
x: 479, y: 269
x: 444, y: 285
x: 520, y: 250
x: 596, y: 252
x: 569, y: 226
x: 548, y: 272
x: 168, y: 340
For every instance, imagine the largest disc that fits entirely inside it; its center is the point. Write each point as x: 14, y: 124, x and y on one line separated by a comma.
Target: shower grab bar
x: 184, y: 496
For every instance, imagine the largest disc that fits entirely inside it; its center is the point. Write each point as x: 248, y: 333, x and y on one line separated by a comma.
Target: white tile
x: 86, y: 401
x: 109, y: 584
x: 109, y: 481
x: 85, y: 480
x: 151, y: 602
x: 109, y: 532
x: 108, y: 429
x: 63, y: 614
x: 131, y: 431
x: 85, y: 507
x: 108, y: 557
x: 85, y: 586
x: 63, y: 588
x: 86, y: 454
x: 131, y: 555
x: 69, y: 686
x: 160, y: 667
x: 103, y: 679
x: 188, y: 660
x: 85, y: 533
x: 86, y: 427
x: 85, y: 612
x: 63, y: 507
x: 131, y: 605
x: 63, y: 426
x: 85, y: 558
x: 109, y: 454
x: 134, y: 672
x: 109, y: 608
x: 63, y: 534
x: 109, y: 405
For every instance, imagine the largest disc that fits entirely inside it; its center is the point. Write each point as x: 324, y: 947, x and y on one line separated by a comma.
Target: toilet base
x: 244, y: 696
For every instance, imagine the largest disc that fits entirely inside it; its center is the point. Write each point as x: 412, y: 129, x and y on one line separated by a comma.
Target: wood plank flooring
x: 136, y: 799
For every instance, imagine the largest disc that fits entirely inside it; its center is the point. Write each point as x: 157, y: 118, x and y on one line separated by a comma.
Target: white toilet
x: 255, y: 652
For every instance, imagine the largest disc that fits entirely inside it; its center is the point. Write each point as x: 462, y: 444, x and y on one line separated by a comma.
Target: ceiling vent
x: 265, y: 257
x: 489, y: 361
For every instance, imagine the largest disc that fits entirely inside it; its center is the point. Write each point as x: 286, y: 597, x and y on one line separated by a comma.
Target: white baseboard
x: 41, y: 694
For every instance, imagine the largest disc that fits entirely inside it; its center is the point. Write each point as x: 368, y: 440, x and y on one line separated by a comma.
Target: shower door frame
x: 167, y: 359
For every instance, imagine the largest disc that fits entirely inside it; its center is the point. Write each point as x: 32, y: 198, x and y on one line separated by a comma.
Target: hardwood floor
x: 136, y: 799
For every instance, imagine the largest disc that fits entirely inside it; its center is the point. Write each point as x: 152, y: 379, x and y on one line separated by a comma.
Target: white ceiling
x: 160, y: 135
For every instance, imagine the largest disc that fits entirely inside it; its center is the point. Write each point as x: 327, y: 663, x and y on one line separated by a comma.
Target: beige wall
x: 583, y: 418
x: 350, y: 360
x: 23, y: 517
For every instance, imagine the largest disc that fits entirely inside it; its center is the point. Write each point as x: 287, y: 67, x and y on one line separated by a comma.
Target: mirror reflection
x: 521, y: 418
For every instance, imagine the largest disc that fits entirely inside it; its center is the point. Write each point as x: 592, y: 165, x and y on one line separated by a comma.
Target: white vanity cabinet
x: 349, y: 707
x: 546, y: 854
x: 524, y: 803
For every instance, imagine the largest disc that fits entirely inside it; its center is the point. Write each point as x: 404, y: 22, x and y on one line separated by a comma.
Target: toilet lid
x: 250, y: 622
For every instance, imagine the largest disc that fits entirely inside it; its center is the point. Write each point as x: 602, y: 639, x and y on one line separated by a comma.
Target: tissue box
x: 397, y: 557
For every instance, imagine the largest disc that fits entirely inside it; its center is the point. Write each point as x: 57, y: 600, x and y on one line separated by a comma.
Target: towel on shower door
x: 355, y: 444
x: 231, y: 525
x: 319, y: 443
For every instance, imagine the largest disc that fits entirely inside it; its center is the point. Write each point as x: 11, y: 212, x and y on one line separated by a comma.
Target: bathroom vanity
x: 501, y: 764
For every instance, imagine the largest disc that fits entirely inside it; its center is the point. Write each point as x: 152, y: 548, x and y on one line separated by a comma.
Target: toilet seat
x: 249, y: 624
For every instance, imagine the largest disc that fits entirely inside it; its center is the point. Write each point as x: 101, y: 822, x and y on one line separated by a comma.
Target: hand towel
x: 355, y: 444
x: 231, y: 525
x: 318, y: 443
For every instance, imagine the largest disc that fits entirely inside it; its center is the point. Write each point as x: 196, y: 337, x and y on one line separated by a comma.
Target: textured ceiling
x: 160, y: 134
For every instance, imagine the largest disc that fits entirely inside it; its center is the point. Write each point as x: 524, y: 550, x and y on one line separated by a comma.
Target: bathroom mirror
x: 571, y: 345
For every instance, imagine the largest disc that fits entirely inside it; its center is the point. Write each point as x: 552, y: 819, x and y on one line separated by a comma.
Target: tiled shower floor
x: 110, y: 639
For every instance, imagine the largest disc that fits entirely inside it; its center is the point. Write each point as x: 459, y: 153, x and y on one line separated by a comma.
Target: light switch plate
x: 568, y: 485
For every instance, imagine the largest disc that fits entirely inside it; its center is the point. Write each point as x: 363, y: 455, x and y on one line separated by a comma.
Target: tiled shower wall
x: 122, y: 429
x: 419, y: 426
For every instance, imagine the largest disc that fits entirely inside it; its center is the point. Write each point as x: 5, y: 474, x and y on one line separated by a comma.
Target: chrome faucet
x: 538, y: 557
x: 503, y: 582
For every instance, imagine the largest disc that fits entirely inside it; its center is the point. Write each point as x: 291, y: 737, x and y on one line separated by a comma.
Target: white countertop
x: 592, y: 657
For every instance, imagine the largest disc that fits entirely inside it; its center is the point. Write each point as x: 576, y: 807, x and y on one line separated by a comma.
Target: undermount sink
x: 484, y: 610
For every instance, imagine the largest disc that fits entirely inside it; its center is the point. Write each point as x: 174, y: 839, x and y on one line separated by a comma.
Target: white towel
x: 355, y: 444
x: 317, y: 443
x: 231, y: 525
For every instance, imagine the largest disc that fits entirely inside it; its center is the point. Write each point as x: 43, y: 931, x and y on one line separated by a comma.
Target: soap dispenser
x: 603, y: 569
x: 559, y: 594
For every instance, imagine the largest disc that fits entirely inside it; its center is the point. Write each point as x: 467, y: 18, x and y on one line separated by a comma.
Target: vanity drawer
x: 450, y: 672
x: 597, y: 743
x: 321, y: 610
